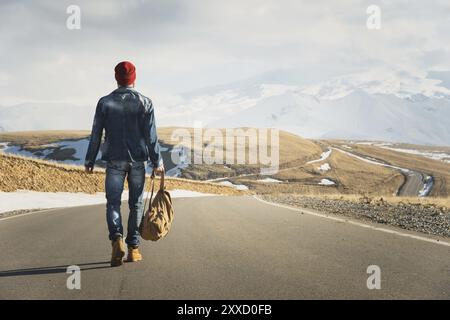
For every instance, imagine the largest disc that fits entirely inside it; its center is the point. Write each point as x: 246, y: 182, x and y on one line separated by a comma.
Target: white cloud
x: 182, y: 45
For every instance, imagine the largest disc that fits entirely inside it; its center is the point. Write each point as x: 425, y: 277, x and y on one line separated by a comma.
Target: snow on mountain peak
x: 269, y: 90
x: 398, y: 83
x: 378, y: 81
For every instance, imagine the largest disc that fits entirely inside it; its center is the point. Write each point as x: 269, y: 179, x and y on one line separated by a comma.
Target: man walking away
x: 130, y: 139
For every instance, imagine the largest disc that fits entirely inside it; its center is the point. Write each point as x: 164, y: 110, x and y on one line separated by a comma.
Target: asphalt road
x: 219, y: 248
x: 413, y: 184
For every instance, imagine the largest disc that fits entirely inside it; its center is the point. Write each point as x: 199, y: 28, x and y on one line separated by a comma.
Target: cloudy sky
x: 180, y: 46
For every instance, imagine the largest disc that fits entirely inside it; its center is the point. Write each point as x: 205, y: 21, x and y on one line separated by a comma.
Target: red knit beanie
x: 125, y: 73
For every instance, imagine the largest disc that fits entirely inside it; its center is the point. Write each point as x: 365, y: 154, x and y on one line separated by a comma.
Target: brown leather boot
x: 133, y: 254
x: 118, y: 251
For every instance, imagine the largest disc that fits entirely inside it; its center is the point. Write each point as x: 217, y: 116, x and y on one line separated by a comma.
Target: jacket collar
x: 124, y: 89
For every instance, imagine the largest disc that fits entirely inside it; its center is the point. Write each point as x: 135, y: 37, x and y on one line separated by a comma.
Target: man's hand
x: 89, y: 169
x: 159, y: 170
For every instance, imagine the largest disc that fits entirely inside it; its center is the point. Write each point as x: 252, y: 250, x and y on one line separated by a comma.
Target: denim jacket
x: 130, y: 132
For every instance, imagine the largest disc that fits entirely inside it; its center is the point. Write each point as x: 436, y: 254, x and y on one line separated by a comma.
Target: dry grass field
x: 356, y: 176
x: 293, y: 151
x: 20, y: 173
x: 350, y: 175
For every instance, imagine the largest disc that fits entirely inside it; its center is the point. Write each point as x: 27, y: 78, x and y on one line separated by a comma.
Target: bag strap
x: 161, y: 183
x: 152, y: 189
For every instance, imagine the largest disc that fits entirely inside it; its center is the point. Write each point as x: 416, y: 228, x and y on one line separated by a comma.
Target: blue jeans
x: 116, y: 171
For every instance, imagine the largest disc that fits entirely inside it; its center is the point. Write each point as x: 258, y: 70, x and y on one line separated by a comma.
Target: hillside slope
x: 20, y: 173
x: 306, y: 166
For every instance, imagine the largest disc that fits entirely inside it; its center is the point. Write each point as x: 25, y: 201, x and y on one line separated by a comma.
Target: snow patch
x: 10, y: 201
x: 325, y: 167
x: 236, y: 186
x: 427, y: 186
x: 269, y: 180
x: 326, y: 182
x: 79, y: 146
x: 323, y: 157
x: 7, y: 148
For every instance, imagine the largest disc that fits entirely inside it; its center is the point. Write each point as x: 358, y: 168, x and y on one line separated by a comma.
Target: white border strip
x: 360, y: 224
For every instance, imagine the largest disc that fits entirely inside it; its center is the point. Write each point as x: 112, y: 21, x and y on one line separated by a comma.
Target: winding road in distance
x: 414, y: 180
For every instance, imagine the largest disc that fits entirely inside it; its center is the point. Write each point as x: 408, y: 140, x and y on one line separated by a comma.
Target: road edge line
x: 32, y: 212
x: 356, y: 223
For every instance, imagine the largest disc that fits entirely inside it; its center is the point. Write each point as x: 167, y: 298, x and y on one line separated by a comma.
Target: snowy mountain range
x: 382, y: 105
x: 376, y: 105
x: 356, y: 115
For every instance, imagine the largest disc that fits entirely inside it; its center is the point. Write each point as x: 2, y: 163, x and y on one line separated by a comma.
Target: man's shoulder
x: 146, y: 101
x: 106, y: 98
x: 143, y: 97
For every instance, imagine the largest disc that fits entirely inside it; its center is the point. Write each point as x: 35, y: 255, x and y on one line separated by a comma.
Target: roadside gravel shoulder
x: 426, y: 219
x: 17, y: 212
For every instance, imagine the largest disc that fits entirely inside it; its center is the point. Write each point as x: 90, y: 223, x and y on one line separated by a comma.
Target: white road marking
x: 360, y: 224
